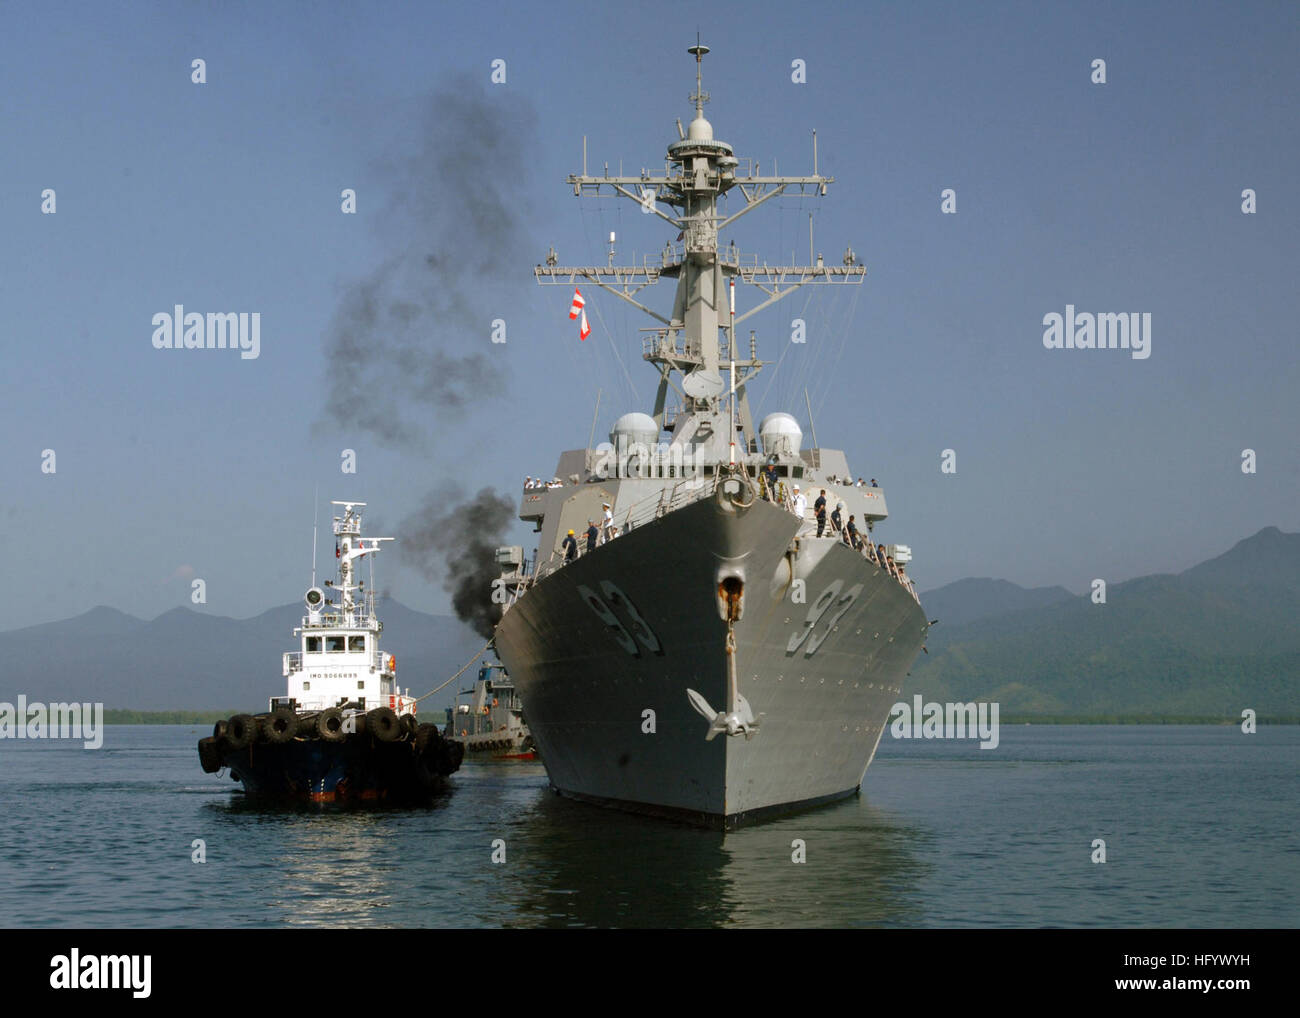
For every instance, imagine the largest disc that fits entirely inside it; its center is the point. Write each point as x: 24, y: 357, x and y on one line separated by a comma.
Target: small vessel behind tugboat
x: 345, y: 730
x: 492, y: 723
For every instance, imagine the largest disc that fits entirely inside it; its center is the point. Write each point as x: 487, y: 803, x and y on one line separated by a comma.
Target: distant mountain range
x: 186, y: 660
x: 968, y: 601
x: 1207, y: 642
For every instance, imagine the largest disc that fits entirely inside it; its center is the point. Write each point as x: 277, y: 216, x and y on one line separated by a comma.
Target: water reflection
x: 566, y: 864
x: 940, y: 839
x: 329, y: 864
x: 586, y: 866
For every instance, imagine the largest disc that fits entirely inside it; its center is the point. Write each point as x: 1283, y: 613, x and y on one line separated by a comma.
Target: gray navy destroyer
x: 693, y: 638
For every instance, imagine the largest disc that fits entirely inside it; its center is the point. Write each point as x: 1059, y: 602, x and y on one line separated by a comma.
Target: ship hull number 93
x: 830, y: 597
x: 630, y: 631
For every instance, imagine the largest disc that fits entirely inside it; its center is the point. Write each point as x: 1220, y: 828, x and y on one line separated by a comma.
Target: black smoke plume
x: 408, y: 341
x: 457, y: 543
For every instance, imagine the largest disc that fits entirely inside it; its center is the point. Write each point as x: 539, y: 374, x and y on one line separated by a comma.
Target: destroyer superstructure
x: 684, y: 587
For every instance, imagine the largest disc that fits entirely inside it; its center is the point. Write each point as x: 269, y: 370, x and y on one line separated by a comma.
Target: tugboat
x: 344, y: 731
x: 492, y: 723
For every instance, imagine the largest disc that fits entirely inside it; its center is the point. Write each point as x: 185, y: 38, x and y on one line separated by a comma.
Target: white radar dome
x: 633, y: 429
x: 700, y: 130
x: 781, y: 435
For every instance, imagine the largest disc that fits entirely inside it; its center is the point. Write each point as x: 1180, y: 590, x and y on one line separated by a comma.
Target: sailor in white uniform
x: 800, y: 503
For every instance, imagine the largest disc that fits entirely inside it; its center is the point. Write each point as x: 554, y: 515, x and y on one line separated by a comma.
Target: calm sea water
x: 1200, y: 825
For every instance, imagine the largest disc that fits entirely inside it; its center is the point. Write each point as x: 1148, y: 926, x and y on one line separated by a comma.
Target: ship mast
x: 698, y: 170
x: 351, y: 546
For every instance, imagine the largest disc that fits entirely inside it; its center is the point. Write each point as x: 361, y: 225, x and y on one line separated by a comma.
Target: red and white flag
x: 578, y: 310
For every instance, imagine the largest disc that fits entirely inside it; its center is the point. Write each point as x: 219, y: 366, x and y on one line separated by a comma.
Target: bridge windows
x: 356, y: 644
x: 313, y: 645
x: 335, y: 644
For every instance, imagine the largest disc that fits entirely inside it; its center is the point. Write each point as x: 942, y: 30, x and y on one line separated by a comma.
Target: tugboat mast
x: 350, y: 547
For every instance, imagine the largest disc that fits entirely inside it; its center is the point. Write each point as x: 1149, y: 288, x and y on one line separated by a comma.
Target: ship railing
x: 643, y: 511
x: 660, y: 344
x: 687, y: 491
x: 673, y: 410
x: 362, y: 617
x: 554, y: 561
x: 544, y: 567
x: 672, y: 255
x: 665, y: 500
x: 747, y: 266
x: 293, y: 661
x: 809, y: 530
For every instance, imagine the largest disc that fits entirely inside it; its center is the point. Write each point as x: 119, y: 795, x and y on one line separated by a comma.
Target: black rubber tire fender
x: 453, y: 758
x: 329, y: 725
x: 383, y: 724
x: 209, y: 755
x: 427, y: 739
x: 281, y: 726
x: 242, y: 731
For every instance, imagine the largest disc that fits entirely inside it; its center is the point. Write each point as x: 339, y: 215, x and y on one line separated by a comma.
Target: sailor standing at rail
x: 592, y: 534
x: 608, y: 521
x: 819, y: 510
x: 570, y: 547
x: 800, y: 507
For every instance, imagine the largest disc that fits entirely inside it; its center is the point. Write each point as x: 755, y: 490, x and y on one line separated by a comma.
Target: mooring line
x: 457, y: 675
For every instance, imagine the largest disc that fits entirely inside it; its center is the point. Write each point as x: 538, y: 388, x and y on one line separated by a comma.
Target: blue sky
x: 1071, y: 464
